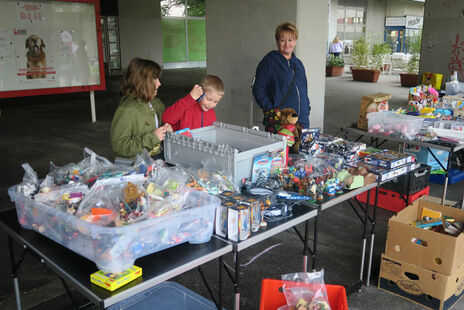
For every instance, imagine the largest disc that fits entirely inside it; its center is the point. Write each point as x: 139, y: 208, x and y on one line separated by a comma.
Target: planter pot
x: 409, y: 80
x: 365, y: 75
x: 334, y: 71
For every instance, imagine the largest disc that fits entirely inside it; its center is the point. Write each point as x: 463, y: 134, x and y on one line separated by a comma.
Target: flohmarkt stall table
x: 378, y: 139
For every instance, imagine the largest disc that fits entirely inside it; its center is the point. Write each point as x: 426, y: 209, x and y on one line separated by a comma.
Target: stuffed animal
x: 290, y: 128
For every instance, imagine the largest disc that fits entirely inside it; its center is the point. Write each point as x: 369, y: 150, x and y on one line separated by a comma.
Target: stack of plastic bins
x: 272, y: 296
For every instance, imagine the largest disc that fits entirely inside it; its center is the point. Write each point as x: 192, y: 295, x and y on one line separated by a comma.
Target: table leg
x: 13, y: 273
x: 305, y: 248
x: 237, y: 281
x: 313, y: 263
x: 372, y: 236
x: 366, y: 218
x: 221, y: 261
x: 445, y: 187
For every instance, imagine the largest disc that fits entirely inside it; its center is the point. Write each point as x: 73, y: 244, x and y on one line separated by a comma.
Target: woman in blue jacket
x: 281, y: 79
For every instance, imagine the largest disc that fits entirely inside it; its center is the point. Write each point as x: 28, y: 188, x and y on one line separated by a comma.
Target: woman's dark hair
x: 138, y: 80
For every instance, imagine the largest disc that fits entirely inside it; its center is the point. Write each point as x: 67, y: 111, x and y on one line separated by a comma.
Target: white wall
x: 312, y: 23
x: 333, y: 7
x: 140, y: 30
x: 375, y: 20
x: 238, y: 34
x: 402, y: 8
x: 443, y: 28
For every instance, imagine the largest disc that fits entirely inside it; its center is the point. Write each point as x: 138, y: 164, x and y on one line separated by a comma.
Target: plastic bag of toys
x: 144, y: 164
x: 210, y: 180
x: 91, y: 166
x: 65, y: 198
x: 30, y: 181
x: 305, y: 291
x: 115, y: 202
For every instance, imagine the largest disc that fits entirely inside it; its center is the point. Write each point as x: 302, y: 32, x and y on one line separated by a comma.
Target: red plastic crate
x: 391, y: 200
x: 272, y: 296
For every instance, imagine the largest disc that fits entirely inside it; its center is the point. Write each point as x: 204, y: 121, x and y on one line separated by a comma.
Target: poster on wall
x: 34, y: 55
x: 6, y: 44
x: 50, y: 47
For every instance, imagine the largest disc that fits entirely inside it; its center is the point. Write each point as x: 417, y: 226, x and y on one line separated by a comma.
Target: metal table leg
x: 237, y: 281
x: 366, y: 218
x: 372, y: 236
x: 445, y: 187
x: 221, y: 262
x: 13, y: 272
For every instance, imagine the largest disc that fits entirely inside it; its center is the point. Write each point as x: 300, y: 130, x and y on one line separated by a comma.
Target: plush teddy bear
x: 290, y: 128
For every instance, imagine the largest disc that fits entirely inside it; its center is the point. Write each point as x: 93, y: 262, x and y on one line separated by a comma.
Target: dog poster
x: 34, y: 55
x: 6, y: 45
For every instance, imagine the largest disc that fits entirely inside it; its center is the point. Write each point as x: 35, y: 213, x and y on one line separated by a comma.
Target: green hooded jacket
x: 133, y: 127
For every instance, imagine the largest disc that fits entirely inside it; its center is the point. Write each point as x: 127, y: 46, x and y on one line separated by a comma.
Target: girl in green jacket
x: 137, y: 121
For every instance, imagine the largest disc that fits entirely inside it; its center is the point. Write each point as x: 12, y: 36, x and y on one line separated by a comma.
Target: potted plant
x: 334, y: 66
x: 367, y: 60
x: 410, y: 77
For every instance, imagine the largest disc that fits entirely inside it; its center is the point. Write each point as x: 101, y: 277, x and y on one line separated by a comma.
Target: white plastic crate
x: 223, y: 147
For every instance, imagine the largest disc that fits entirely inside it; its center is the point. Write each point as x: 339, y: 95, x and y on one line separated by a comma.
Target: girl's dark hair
x: 138, y: 80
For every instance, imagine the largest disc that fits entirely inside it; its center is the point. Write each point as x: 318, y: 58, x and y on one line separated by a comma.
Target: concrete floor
x: 56, y: 128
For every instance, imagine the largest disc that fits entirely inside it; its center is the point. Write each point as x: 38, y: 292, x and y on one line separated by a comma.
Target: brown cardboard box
x: 370, y: 103
x: 439, y: 252
x: 428, y: 288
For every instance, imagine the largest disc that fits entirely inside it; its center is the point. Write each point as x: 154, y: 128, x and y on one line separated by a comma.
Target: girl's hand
x: 196, y: 92
x: 160, y: 132
x: 168, y: 127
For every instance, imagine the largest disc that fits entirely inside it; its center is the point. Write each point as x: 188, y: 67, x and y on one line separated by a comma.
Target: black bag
x: 271, y: 119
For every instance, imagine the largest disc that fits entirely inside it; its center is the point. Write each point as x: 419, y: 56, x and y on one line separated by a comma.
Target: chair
x: 398, y: 62
x: 387, y: 65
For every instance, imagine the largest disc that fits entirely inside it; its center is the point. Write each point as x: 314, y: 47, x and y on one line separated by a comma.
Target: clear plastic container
x: 394, y: 124
x: 114, y: 249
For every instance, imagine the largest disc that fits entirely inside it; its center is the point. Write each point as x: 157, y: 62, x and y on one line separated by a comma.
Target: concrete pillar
x: 240, y: 33
x: 312, y: 22
x: 443, y: 38
x: 140, y: 30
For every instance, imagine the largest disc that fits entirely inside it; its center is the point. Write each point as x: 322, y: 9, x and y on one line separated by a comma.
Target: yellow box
x: 112, y: 281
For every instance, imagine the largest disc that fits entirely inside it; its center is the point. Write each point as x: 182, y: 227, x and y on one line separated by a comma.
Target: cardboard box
x: 428, y: 288
x: 423, y: 156
x: 112, y: 281
x: 239, y: 223
x: 389, y: 159
x: 439, y: 252
x: 372, y: 103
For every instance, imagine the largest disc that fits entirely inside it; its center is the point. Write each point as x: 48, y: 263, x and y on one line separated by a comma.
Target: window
x: 184, y: 31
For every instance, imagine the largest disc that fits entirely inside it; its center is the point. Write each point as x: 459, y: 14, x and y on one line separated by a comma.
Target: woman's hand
x: 196, y: 92
x: 160, y: 132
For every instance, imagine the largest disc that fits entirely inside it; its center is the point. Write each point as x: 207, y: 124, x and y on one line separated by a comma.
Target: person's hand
x: 168, y: 127
x: 160, y: 132
x: 196, y: 92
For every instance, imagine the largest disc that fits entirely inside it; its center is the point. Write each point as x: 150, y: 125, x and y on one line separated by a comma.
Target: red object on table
x: 391, y: 200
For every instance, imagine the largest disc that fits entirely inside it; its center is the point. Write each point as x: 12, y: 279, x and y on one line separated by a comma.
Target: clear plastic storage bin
x: 394, y: 124
x: 115, y: 249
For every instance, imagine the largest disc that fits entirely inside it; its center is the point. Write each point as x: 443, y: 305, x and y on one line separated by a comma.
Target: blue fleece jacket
x: 273, y: 78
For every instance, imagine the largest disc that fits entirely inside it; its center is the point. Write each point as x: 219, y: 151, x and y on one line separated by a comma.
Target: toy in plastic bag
x: 65, y: 198
x: 211, y: 181
x: 306, y: 291
x: 145, y: 164
x: 30, y: 181
x: 91, y: 166
x: 115, y: 202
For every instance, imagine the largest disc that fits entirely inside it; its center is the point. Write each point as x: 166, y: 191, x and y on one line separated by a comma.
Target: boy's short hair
x: 214, y: 83
x: 138, y: 80
x: 286, y: 27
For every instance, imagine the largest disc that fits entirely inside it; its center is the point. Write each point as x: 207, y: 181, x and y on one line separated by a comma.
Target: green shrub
x: 335, y: 61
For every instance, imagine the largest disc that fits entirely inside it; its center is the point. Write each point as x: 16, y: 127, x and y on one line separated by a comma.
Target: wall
x: 140, y: 30
x: 250, y: 36
x: 238, y: 34
x: 375, y: 20
x: 332, y: 32
x: 402, y: 8
x: 312, y: 17
x: 443, y: 38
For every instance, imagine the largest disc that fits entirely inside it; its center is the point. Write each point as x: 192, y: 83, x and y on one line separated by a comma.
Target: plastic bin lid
x: 166, y: 296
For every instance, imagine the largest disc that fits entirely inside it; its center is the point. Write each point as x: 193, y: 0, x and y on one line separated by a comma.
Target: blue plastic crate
x: 165, y: 296
x: 454, y: 176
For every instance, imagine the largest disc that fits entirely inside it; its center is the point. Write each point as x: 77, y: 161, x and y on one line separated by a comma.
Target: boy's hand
x: 196, y: 92
x: 168, y: 127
